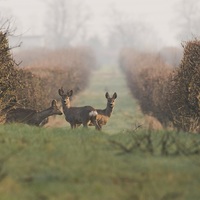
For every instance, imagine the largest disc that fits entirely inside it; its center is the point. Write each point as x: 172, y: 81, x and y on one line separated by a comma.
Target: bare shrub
x: 152, y: 123
x: 184, y: 91
x: 8, y: 75
x: 35, y: 82
x: 166, y: 143
x: 70, y: 68
x: 170, y: 95
x: 146, y: 77
x: 33, y: 91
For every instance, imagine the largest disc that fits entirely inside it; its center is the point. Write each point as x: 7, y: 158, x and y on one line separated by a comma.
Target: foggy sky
x: 159, y: 14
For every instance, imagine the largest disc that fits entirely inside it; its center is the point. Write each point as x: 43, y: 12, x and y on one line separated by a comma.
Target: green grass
x: 39, y: 163
x: 126, y: 113
x: 83, y: 164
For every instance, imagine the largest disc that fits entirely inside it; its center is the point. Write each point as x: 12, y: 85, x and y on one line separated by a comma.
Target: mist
x: 107, y: 26
x: 131, y: 68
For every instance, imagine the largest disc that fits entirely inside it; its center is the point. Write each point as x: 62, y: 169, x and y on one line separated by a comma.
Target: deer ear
x: 115, y: 95
x: 61, y: 91
x: 70, y: 93
x: 53, y: 103
x: 107, y: 95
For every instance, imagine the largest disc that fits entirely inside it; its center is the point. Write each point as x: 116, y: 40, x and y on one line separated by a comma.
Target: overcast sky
x: 159, y: 14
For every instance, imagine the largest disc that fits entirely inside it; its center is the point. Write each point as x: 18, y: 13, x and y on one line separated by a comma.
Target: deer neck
x: 66, y: 106
x: 44, y: 114
x: 108, y: 110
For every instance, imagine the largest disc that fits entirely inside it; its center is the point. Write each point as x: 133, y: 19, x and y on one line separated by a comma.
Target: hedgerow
x: 35, y: 82
x: 171, y: 95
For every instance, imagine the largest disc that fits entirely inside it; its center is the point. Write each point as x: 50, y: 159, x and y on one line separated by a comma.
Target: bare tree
x: 125, y: 31
x: 131, y: 32
x: 65, y: 22
x: 188, y: 19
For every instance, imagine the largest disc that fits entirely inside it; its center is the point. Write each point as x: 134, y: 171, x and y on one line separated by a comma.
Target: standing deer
x: 77, y: 115
x: 104, y: 114
x: 32, y: 117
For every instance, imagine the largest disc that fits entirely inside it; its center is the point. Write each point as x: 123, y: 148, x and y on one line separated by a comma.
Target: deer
x: 77, y: 116
x: 32, y: 117
x: 104, y: 114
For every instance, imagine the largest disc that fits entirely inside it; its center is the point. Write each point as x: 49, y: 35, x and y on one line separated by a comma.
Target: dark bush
x: 184, y: 91
x: 170, y: 95
x: 70, y: 68
x: 35, y: 82
x: 146, y: 77
x: 9, y: 81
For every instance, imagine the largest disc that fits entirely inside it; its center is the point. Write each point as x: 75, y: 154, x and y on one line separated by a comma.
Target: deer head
x: 111, y: 100
x: 55, y: 108
x: 65, y: 96
x: 77, y: 115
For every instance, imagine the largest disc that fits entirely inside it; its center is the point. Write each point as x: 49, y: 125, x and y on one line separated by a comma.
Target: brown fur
x: 32, y: 117
x: 104, y: 114
x: 77, y: 115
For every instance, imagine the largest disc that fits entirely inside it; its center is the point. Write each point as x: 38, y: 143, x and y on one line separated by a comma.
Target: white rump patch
x: 93, y: 113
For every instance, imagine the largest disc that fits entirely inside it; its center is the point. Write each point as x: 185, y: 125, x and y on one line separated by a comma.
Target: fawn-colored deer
x: 32, y: 117
x: 104, y: 114
x: 77, y: 115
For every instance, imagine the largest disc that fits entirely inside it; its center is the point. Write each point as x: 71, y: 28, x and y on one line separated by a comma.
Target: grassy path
x: 126, y: 114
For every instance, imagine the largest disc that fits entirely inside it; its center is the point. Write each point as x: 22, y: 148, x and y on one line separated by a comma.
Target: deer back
x: 20, y: 115
x: 32, y: 117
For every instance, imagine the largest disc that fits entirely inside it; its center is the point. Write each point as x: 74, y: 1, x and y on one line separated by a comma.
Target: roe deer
x: 32, y: 117
x: 77, y: 115
x: 105, y: 114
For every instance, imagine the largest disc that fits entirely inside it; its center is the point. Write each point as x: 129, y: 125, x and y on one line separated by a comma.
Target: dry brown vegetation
x: 69, y: 68
x: 35, y: 82
x: 146, y: 74
x: 170, y: 95
x: 185, y: 96
x: 9, y: 75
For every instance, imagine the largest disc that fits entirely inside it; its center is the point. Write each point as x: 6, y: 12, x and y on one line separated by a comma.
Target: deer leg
x: 76, y: 125
x: 85, y: 125
x: 73, y: 126
x: 96, y: 124
x: 98, y: 127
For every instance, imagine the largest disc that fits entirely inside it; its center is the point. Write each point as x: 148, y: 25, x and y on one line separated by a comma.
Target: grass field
x: 126, y: 114
x: 56, y: 163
